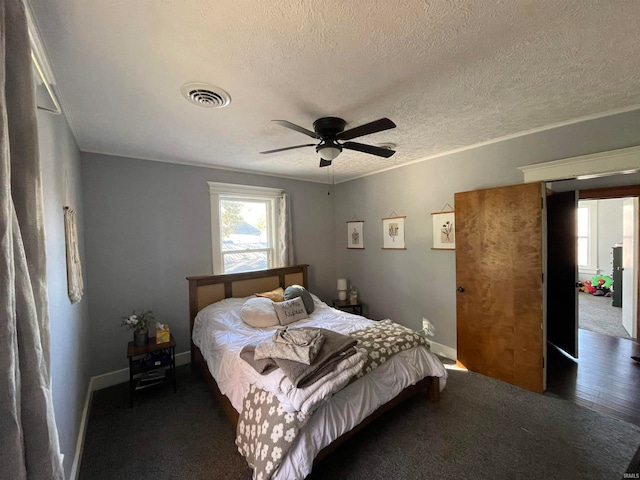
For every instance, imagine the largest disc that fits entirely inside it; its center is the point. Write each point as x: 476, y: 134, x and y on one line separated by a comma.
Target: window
x: 244, y: 227
x: 587, y: 234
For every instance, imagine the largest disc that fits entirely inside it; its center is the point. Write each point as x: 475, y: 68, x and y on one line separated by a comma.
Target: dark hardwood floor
x: 604, y: 378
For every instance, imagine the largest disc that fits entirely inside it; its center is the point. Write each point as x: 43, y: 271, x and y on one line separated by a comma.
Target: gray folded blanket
x: 298, y: 344
x: 263, y: 367
x: 335, y: 348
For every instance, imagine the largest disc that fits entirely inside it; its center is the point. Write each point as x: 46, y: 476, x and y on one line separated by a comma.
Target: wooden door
x: 562, y: 271
x: 498, y: 273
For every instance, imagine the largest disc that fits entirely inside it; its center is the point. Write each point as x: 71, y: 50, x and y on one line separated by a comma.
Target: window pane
x: 583, y: 222
x: 244, y: 225
x: 583, y: 255
x: 245, y: 262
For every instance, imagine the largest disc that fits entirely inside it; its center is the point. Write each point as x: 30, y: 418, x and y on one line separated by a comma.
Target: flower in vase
x: 138, y: 321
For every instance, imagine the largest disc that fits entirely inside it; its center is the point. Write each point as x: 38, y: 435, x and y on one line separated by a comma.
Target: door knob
x: 461, y: 289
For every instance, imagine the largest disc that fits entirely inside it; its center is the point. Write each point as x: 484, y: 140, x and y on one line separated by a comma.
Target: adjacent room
x: 289, y: 240
x: 592, y: 347
x: 600, y: 267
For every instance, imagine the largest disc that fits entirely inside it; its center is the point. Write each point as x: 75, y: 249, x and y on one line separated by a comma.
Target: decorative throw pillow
x: 290, y: 311
x: 294, y: 291
x: 276, y: 295
x: 258, y: 312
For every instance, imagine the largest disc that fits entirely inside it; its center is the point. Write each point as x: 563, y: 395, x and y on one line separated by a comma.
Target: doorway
x: 601, y: 226
x: 627, y: 268
x: 604, y: 377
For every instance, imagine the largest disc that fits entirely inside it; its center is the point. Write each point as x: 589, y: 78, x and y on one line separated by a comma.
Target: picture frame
x: 393, y: 233
x: 355, y: 235
x: 444, y: 233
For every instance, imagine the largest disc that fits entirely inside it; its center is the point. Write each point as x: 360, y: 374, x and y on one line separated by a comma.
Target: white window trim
x: 217, y: 190
x: 592, y: 251
x: 43, y: 72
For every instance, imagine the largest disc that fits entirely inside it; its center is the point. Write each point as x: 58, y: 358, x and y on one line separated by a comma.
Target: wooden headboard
x: 208, y: 289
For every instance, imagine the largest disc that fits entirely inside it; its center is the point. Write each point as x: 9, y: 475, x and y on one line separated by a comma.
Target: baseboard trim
x: 75, y: 467
x: 444, y: 350
x: 98, y: 383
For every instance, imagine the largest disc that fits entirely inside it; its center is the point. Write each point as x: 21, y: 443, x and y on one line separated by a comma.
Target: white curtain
x: 285, y: 242
x: 29, y: 447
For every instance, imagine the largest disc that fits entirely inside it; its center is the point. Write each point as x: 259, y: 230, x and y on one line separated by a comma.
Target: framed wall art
x: 444, y: 232
x: 393, y: 233
x: 355, y: 234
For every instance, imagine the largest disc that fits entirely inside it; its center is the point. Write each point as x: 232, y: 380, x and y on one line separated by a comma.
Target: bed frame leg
x: 434, y: 390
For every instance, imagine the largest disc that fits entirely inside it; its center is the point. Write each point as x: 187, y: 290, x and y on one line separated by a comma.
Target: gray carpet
x: 481, y: 429
x: 598, y: 315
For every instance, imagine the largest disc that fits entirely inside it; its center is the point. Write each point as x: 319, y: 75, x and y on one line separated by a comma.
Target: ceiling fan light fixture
x: 329, y: 153
x: 329, y: 150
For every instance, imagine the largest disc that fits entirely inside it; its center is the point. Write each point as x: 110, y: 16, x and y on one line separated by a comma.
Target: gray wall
x: 60, y: 160
x: 609, y: 231
x: 148, y: 226
x: 420, y: 282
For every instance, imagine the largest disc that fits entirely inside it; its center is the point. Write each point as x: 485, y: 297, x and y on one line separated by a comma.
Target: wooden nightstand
x: 151, y: 365
x: 347, y: 306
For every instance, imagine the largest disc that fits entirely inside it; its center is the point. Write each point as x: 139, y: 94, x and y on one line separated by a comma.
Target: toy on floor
x: 587, y: 287
x: 604, y: 281
x: 600, y: 286
x: 600, y: 289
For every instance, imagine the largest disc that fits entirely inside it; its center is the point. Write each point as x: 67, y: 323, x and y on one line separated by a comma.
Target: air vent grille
x: 205, y: 95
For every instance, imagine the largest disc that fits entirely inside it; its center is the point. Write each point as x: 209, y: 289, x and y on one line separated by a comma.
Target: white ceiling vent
x: 205, y: 95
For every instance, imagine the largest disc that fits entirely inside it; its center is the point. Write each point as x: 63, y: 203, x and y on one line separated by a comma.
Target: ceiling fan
x: 331, y: 129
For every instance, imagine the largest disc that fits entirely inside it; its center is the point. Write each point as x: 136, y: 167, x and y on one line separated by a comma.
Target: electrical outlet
x: 428, y: 327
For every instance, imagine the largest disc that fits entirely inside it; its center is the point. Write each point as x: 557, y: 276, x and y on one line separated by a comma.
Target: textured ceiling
x: 449, y: 73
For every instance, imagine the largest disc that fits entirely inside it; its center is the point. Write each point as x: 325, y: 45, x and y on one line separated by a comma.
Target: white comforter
x: 221, y: 334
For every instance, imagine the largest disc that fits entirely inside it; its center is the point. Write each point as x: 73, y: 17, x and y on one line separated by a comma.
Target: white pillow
x: 290, y: 311
x: 258, y: 312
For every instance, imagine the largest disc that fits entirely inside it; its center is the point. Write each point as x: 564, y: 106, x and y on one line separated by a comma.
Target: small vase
x: 353, y: 297
x: 140, y: 337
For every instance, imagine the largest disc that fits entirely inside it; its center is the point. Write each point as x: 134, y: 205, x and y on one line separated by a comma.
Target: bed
x: 214, y: 302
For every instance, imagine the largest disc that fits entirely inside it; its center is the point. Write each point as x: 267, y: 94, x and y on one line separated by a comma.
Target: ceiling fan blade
x: 297, y: 128
x: 289, y: 148
x: 324, y: 163
x: 366, y: 129
x: 361, y: 147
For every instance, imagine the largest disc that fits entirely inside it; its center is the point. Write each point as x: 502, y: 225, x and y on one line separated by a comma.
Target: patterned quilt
x: 382, y: 340
x: 266, y: 431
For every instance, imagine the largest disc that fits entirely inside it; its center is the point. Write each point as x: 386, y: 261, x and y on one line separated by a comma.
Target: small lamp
x: 342, y: 288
